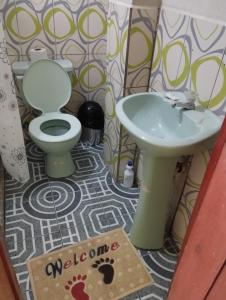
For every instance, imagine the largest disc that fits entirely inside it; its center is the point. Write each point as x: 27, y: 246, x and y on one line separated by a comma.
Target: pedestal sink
x: 163, y: 133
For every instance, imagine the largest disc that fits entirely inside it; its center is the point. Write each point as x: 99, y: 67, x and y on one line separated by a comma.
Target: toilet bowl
x: 47, y: 88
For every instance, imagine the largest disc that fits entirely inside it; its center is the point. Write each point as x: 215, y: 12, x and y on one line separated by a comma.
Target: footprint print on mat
x: 77, y: 287
x: 104, y: 266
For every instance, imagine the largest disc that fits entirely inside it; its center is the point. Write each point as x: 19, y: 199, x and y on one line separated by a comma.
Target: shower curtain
x: 12, y: 149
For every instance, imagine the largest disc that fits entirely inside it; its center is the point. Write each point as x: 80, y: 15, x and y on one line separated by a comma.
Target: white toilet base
x: 60, y: 165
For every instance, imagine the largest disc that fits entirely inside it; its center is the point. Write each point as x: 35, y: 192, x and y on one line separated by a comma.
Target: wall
x: 190, y: 54
x: 73, y: 29
x: 203, y: 9
x: 130, y: 44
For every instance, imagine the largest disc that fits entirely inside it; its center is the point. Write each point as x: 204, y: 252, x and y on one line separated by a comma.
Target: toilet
x: 47, y: 88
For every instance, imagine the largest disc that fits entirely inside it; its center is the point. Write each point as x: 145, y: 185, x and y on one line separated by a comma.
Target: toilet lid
x: 46, y: 86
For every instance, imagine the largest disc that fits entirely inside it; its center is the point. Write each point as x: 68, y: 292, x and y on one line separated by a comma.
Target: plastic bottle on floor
x: 128, y: 175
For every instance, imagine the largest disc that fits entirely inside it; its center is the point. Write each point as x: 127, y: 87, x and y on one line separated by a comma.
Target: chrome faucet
x: 189, y: 103
x: 185, y: 101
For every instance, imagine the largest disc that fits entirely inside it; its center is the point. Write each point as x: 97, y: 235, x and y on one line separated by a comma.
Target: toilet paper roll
x: 38, y: 53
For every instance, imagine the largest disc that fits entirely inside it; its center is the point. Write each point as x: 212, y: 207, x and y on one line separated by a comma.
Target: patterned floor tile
x: 69, y: 236
x: 23, y: 248
x: 45, y: 214
x: 37, y: 172
x: 32, y: 211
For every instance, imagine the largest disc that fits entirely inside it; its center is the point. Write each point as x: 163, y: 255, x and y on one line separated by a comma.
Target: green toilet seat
x: 37, y: 130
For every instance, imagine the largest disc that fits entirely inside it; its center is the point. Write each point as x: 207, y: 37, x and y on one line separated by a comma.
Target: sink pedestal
x: 156, y: 129
x: 150, y: 219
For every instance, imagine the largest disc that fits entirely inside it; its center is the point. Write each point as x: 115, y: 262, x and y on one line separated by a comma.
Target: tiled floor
x: 45, y: 214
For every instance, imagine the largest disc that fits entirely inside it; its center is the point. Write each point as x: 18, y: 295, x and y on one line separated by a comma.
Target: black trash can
x: 91, y: 116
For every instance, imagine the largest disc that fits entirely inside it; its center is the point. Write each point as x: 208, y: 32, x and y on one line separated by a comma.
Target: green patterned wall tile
x: 183, y: 81
x: 128, y: 148
x: 113, y: 38
x: 128, y: 28
x: 156, y: 80
x: 104, y: 4
x: 203, y: 81
x: 111, y: 150
x: 96, y: 72
x: 14, y: 51
x: 118, y: 22
x: 114, y: 93
x: 76, y: 100
x: 13, y: 58
x: 153, y: 14
x: 206, y: 77
x: 71, y: 27
x: 190, y: 194
x: 122, y: 14
x: 80, y: 90
x: 206, y: 35
x: 188, y: 54
x: 90, y: 33
x: 128, y: 144
x: 36, y: 26
x: 65, y: 24
x: 117, y: 88
x: 10, y: 25
x: 111, y: 144
x: 109, y: 102
x: 99, y: 96
x: 141, y: 46
x: 80, y: 78
x: 62, y: 28
x: 3, y: 4
x: 139, y: 77
x: 110, y: 158
x: 97, y: 78
x: 135, y: 90
x: 175, y: 26
x: 208, y: 44
x: 76, y: 5
x: 217, y: 101
x: 157, y: 55
x: 171, y: 50
x: 156, y: 84
x: 112, y: 128
x: 97, y: 27
x: 127, y: 141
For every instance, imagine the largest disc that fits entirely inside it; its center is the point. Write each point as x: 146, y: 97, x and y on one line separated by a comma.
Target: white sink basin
x: 166, y: 131
x: 163, y: 133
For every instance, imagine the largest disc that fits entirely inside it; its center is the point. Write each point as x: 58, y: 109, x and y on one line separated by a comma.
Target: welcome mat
x: 102, y: 268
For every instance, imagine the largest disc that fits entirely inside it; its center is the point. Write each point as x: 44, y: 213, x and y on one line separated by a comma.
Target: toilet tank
x: 20, y: 67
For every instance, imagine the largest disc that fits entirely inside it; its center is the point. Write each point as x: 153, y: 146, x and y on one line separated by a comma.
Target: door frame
x: 9, y: 286
x: 203, y: 252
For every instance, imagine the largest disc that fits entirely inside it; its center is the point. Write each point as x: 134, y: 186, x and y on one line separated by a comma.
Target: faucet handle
x: 172, y: 98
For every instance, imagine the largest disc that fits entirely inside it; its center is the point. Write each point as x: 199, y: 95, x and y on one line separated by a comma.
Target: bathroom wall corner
x: 199, y: 44
x: 130, y: 45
